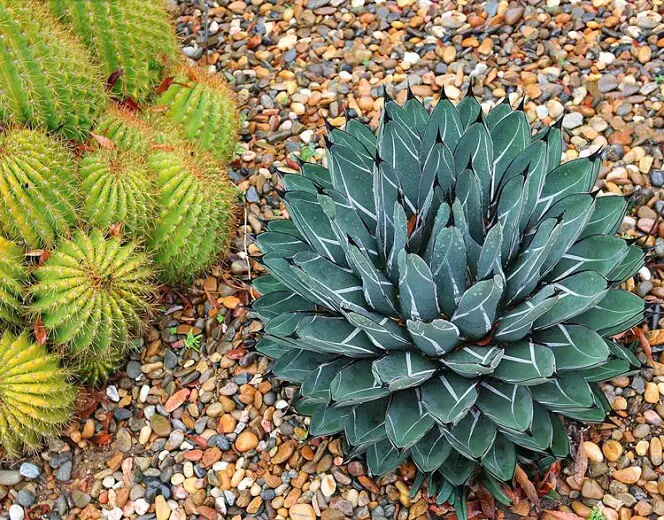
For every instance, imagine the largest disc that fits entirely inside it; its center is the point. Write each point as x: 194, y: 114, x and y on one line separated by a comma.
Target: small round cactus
x: 36, y: 401
x: 202, y: 106
x: 132, y: 38
x: 194, y: 215
x: 46, y: 77
x: 91, y: 294
x: 37, y: 194
x: 94, y: 370
x: 126, y: 129
x: 12, y: 277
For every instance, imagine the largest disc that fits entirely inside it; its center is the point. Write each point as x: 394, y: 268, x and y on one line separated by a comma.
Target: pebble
x: 246, y: 441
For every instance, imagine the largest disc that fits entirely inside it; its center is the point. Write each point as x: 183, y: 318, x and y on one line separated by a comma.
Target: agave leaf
x: 382, y: 457
x: 568, y: 391
x: 267, y: 284
x: 540, y: 434
x: 274, y: 303
x: 527, y: 163
x: 328, y: 420
x: 469, y: 195
x: 440, y: 222
x: 438, y: 163
x: 500, y: 460
x: 606, y: 217
x: 366, y: 422
x: 498, y: 113
x: 448, y: 397
x: 399, y: 114
x: 296, y: 182
x: 296, y: 364
x: 573, y: 346
x: 490, y: 261
x: 448, y: 267
x: 407, y: 421
x: 469, y: 110
x: 622, y: 352
x: 560, y: 440
x: 284, y: 226
x: 637, y: 319
x: 286, y: 245
x: 378, y: 291
x: 509, y: 406
x: 306, y: 406
x: 314, y: 225
x: 401, y: 369
x: 596, y: 253
x: 629, y: 265
x: 609, y: 370
x: 298, y: 281
x: 493, y: 486
x: 473, y: 249
x: 517, y: 323
x: 363, y: 134
x: 510, y: 206
x: 399, y: 243
x: 334, y: 335
x: 386, y: 190
x: 316, y: 385
x: 383, y: 331
x: 617, y: 307
x: 417, y: 114
x: 457, y: 468
x: 351, y: 141
x: 510, y: 136
x: 577, y: 293
x: 444, y: 125
x: 356, y: 384
x: 270, y: 348
x: 352, y: 175
x: 472, y: 361
x: 446, y: 491
x: 400, y: 149
x: 526, y: 363
x: 317, y: 173
x: 284, y: 324
x: 473, y: 435
x: 430, y: 451
x: 417, y: 289
x: 434, y: 339
x: 477, y: 307
x: 554, y: 142
x: 475, y: 147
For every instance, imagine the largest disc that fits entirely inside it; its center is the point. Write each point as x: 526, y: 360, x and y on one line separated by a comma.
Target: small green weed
x: 193, y: 342
x: 220, y: 318
x: 659, y: 79
x: 596, y: 515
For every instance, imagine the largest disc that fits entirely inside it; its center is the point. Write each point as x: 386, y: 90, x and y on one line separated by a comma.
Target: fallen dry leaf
x: 103, y: 141
x: 487, y: 502
x: 645, y: 345
x: 40, y: 332
x: 559, y: 515
x: 580, y: 463
x: 527, y: 486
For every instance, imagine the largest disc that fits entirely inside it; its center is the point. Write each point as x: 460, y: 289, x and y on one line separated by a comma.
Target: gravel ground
x: 199, y: 430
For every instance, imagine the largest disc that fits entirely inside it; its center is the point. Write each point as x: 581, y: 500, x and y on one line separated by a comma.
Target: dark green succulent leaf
x: 270, y: 348
x: 448, y: 267
x: 286, y: 227
x: 469, y: 195
x: 526, y: 164
x: 617, y: 307
x: 284, y: 324
x: 554, y: 142
x: 328, y: 420
x: 476, y: 148
x: 569, y: 390
x: 383, y: 457
x: 510, y: 137
x: 401, y: 369
x: 510, y: 206
x: 498, y: 113
x: 500, y: 460
x: 517, y: 323
x: 349, y: 140
x: 363, y: 134
x: 472, y: 361
x: 316, y: 385
x: 493, y: 486
x: 306, y: 406
x: 317, y: 173
x: 476, y: 311
x: 444, y: 125
x: 490, y: 262
x: 540, y: 434
x: 378, y: 290
x: 352, y: 176
x: 469, y: 110
x: 296, y: 182
x: 314, y: 225
x: 399, y: 243
x: 334, y: 335
x: 448, y: 397
x: 609, y: 370
x: 509, y: 406
x: 577, y: 294
x: 596, y: 253
x: 457, y: 468
x: 417, y: 114
x: 356, y: 384
x: 407, y: 421
x: 296, y: 364
x: 526, y: 363
x: 286, y: 245
x: 438, y: 163
x: 399, y: 115
x: 445, y: 490
x: 606, y: 217
x: 440, y: 222
x: 622, y: 352
x: 573, y: 346
x: 386, y: 190
x: 274, y: 303
x: 298, y: 281
x: 593, y: 414
x: 366, y: 422
x: 629, y: 265
x: 383, y: 331
x: 430, y: 451
x: 400, y: 149
x: 473, y: 435
x: 267, y: 284
x: 560, y: 440
x: 433, y: 339
x: 417, y: 289
x: 621, y: 327
x: 473, y: 249
x: 460, y: 503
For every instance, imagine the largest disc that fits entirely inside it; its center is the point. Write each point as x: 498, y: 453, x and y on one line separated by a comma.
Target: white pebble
x: 281, y: 404
x: 16, y: 512
x: 143, y: 394
x: 645, y: 274
x: 141, y: 506
x: 108, y: 482
x: 411, y: 57
x: 113, y: 394
x: 607, y: 57
x: 113, y: 514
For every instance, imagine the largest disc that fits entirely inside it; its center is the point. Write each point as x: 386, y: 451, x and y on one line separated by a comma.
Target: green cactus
x: 36, y: 401
x: 46, y: 78
x: 203, y: 107
x: 91, y: 294
x: 194, y: 217
x: 12, y: 277
x: 126, y: 129
x: 117, y: 189
x: 130, y: 37
x: 94, y: 370
x: 37, y: 196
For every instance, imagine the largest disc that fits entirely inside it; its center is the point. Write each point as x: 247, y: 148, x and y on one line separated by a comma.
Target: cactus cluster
x: 12, y: 278
x: 132, y: 39
x: 46, y: 77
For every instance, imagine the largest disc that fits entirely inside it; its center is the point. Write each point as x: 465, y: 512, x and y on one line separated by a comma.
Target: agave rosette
x: 446, y: 290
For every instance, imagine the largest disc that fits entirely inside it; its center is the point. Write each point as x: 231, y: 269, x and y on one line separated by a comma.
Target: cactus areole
x: 446, y: 290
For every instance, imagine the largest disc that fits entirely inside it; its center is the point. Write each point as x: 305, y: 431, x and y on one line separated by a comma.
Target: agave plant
x: 446, y: 290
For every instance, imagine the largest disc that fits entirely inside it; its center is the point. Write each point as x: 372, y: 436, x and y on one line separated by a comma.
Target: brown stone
x: 302, y: 512
x: 246, y: 441
x: 284, y: 452
x: 629, y: 475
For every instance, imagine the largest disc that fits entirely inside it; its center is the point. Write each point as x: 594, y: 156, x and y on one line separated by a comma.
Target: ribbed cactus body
x: 36, y: 400
x: 133, y: 37
x: 125, y: 129
x: 37, y: 194
x: 12, y: 277
x: 193, y: 214
x: 94, y: 370
x: 91, y: 293
x: 117, y: 189
x: 202, y: 106
x: 46, y: 78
